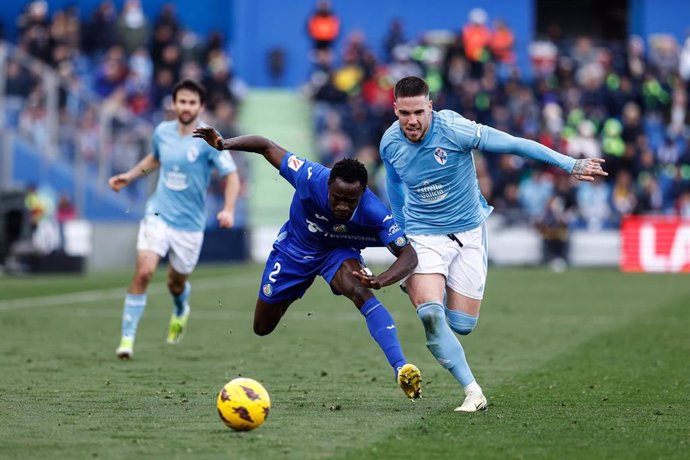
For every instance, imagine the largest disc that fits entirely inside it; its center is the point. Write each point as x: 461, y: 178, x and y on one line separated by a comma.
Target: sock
x: 472, y: 388
x: 131, y: 313
x: 180, y: 300
x: 382, y: 329
x: 442, y: 343
x: 461, y: 322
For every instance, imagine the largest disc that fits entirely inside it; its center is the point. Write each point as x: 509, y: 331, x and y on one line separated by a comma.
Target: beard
x: 186, y: 118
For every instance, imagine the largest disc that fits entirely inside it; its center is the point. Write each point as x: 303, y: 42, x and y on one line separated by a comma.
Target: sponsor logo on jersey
x: 340, y: 228
x: 313, y: 227
x: 431, y: 192
x: 441, y: 156
x: 395, y: 228
x: 295, y: 163
x: 192, y: 154
x: 175, y: 180
x: 267, y: 289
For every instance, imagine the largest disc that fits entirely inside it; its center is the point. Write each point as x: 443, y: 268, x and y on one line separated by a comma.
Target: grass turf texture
x: 586, y: 364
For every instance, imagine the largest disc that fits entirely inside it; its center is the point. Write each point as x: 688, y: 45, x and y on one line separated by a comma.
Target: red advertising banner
x: 655, y: 244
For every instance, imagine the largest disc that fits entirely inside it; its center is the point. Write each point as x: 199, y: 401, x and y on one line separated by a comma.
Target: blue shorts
x: 288, y: 278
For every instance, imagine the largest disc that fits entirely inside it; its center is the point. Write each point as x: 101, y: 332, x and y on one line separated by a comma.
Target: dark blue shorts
x: 288, y: 278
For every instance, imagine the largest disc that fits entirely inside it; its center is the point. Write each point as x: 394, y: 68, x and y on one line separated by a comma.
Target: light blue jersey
x: 432, y: 184
x: 185, y: 171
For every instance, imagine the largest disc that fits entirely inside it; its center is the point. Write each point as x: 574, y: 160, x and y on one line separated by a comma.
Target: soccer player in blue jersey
x: 333, y: 215
x: 176, y: 213
x: 434, y: 194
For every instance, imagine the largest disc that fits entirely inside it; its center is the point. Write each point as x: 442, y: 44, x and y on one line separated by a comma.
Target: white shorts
x: 157, y: 236
x: 464, y: 267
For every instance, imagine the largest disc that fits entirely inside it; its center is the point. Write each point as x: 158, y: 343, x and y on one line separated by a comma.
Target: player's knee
x: 143, y: 276
x: 262, y: 329
x: 431, y: 314
x: 175, y: 286
x: 461, y: 322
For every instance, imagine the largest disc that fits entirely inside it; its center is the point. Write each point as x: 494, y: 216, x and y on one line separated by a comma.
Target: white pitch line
x: 220, y: 282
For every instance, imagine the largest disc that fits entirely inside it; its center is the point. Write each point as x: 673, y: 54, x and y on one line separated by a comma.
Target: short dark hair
x: 411, y: 87
x: 349, y: 170
x: 190, y: 85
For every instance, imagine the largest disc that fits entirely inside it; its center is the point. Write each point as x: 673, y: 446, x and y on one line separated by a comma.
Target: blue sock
x: 180, y: 300
x: 382, y: 329
x: 131, y: 313
x: 442, y: 343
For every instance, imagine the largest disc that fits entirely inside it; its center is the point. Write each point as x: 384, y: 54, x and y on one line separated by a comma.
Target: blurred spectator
x: 553, y: 226
x: 323, y: 26
x: 593, y: 201
x: 394, y: 37
x: 476, y: 38
x: 99, y: 33
x: 132, y: 27
x: 65, y: 210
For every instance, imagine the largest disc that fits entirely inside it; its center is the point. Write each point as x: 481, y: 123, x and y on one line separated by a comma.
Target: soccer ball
x: 243, y: 404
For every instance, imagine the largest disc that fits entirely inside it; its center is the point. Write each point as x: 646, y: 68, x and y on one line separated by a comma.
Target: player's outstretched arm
x: 495, y: 141
x: 404, y: 264
x: 257, y: 144
x: 147, y: 164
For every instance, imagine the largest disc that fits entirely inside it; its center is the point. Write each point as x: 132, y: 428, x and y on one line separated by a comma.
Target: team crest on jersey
x: 268, y: 290
x: 192, y: 154
x: 340, y: 228
x: 441, y: 156
x: 295, y: 163
x: 400, y: 241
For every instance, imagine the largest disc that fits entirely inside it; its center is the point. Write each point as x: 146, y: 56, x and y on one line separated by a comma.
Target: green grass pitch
x: 585, y: 364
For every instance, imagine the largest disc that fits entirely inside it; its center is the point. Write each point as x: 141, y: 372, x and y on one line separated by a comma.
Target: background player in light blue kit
x: 434, y: 194
x: 333, y: 216
x: 176, y: 213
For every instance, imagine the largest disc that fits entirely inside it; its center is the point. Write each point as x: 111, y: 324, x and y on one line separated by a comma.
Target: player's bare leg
x: 268, y: 315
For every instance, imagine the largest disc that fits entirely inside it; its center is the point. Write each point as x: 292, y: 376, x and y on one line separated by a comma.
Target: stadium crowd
x: 130, y: 64
x: 627, y: 104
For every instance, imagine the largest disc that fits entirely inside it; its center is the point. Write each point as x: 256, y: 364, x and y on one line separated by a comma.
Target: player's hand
x: 367, y: 278
x: 119, y: 182
x: 226, y: 219
x: 210, y: 135
x: 588, y: 168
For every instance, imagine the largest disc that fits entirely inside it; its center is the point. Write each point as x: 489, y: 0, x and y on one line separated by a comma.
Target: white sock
x: 473, y: 388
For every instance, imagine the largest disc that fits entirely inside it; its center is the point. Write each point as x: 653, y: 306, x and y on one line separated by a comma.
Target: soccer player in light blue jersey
x: 333, y: 215
x: 176, y: 213
x: 434, y: 194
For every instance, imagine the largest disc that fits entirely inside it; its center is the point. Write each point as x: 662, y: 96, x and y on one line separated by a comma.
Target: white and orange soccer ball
x: 243, y: 404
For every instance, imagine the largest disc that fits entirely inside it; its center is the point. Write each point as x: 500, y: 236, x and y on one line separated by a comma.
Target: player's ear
x: 395, y: 109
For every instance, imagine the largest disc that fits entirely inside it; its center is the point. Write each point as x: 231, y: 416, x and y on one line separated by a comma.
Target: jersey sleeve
x: 155, y: 143
x: 466, y: 134
x: 495, y: 141
x: 302, y: 173
x: 222, y: 161
x: 381, y: 218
